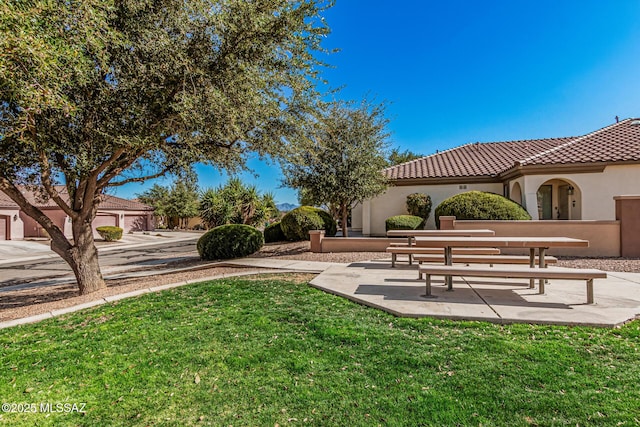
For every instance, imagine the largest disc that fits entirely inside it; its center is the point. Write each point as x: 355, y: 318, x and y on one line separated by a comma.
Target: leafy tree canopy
x: 397, y: 157
x: 97, y: 94
x: 341, y: 161
x: 179, y: 202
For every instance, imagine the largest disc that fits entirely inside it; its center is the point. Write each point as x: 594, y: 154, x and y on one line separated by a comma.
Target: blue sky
x: 455, y: 72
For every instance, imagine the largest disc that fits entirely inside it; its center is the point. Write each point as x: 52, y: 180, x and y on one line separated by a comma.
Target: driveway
x: 32, y: 264
x: 16, y: 251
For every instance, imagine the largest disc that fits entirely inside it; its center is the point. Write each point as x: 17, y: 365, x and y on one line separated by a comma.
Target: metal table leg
x: 541, y: 282
x: 532, y: 264
x: 448, y: 261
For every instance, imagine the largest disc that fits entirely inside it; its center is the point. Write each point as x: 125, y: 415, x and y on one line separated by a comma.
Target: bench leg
x: 541, y: 286
x: 590, y: 291
x: 428, y: 287
x: 410, y: 259
x: 419, y: 274
x: 393, y: 260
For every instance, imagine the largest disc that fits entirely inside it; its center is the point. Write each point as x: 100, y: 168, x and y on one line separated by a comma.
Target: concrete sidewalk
x: 14, y: 251
x: 397, y: 291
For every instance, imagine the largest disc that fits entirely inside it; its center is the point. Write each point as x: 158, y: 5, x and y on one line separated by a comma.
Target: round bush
x: 404, y: 222
x: 274, y: 233
x: 110, y: 233
x: 419, y: 204
x: 297, y: 223
x: 229, y: 241
x: 480, y: 205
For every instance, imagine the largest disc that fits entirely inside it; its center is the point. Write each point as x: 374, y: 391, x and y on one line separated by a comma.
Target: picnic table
x: 532, y: 243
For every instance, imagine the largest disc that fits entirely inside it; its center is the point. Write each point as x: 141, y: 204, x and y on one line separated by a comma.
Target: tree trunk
x: 345, y: 216
x: 82, y: 257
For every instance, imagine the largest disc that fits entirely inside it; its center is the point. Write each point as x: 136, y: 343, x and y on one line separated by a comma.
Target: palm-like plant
x: 236, y: 203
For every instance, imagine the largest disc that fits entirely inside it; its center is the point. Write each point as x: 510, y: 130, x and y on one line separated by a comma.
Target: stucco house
x: 130, y: 215
x: 572, y: 178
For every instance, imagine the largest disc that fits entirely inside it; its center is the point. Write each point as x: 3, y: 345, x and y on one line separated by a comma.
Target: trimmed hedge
x: 404, y: 222
x: 110, y: 233
x: 297, y: 223
x: 229, y: 241
x: 481, y: 205
x: 274, y: 233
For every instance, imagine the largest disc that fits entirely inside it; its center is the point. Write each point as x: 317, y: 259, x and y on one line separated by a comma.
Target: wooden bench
x: 415, y: 250
x: 515, y: 272
x: 482, y: 259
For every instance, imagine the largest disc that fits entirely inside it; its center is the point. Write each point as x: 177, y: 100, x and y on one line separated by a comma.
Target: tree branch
x: 108, y: 176
x: 50, y: 188
x: 139, y: 179
x: 110, y: 161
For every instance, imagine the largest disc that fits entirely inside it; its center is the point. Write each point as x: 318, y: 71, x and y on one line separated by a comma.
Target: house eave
x: 519, y: 170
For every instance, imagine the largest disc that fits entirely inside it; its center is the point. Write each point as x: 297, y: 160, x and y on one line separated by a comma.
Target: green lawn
x: 263, y: 352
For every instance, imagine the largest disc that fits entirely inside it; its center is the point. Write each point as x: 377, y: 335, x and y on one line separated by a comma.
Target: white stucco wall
x: 393, y: 202
x: 15, y: 223
x: 594, y: 191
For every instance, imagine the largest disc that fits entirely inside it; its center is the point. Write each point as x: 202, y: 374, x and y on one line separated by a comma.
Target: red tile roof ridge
x: 573, y: 141
x: 437, y: 153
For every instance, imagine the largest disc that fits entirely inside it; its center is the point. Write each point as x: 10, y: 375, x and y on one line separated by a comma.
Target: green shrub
x: 297, y: 223
x: 229, y: 241
x: 110, y: 233
x: 480, y: 205
x: 274, y: 233
x: 404, y: 222
x: 419, y: 204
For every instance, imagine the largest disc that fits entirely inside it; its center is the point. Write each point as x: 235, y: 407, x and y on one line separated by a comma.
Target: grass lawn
x: 269, y: 351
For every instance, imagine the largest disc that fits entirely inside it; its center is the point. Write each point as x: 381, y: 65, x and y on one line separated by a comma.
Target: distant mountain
x: 285, y: 207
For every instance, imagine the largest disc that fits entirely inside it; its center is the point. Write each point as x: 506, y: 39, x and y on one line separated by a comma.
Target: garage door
x: 135, y: 223
x: 3, y: 228
x: 102, y: 220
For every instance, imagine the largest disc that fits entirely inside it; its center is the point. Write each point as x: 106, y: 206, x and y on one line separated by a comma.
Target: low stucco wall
x: 603, y: 236
x: 355, y: 244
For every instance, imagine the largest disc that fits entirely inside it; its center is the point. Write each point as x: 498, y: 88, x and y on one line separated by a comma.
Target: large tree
x: 340, y: 162
x: 97, y: 94
x: 174, y: 205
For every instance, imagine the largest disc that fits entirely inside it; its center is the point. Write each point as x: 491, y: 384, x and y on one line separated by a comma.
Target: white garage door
x: 3, y: 228
x: 135, y: 223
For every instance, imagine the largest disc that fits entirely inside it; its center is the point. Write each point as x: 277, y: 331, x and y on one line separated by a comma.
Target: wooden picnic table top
x: 439, y: 233
x: 506, y: 242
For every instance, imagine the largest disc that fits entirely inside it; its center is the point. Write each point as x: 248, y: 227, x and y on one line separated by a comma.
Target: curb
x: 109, y: 299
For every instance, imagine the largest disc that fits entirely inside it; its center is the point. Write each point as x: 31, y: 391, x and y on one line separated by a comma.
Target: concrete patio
x: 397, y: 291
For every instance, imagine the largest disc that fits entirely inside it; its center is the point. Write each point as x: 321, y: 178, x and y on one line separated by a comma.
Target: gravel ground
x: 28, y: 302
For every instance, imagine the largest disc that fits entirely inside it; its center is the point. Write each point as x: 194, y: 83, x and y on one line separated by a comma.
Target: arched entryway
x: 516, y: 193
x: 559, y: 199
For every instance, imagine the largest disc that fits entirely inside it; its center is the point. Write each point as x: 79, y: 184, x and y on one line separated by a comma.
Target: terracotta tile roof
x: 472, y: 160
x: 6, y: 202
x: 109, y: 202
x: 619, y: 142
